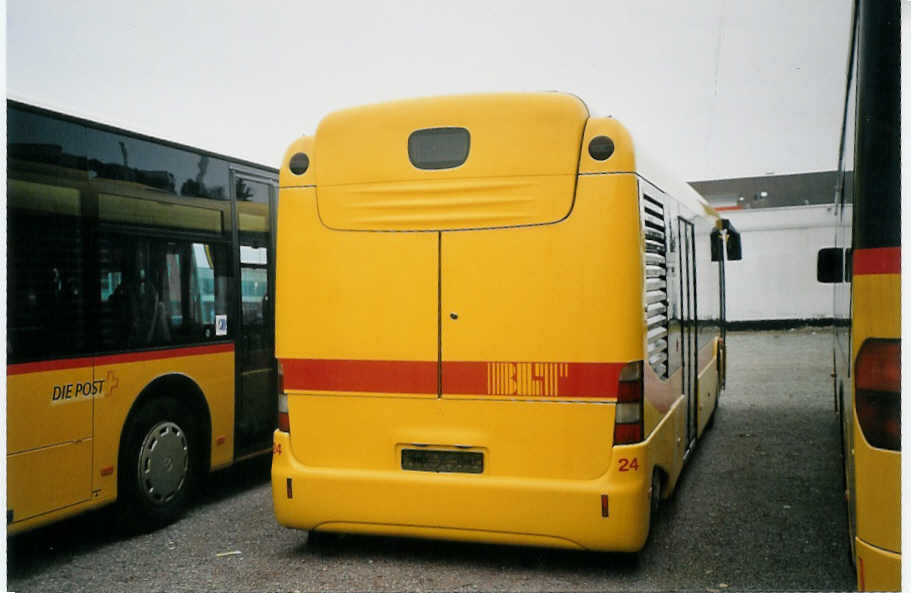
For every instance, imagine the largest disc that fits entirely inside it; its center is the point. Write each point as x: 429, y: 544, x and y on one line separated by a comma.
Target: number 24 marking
x: 627, y: 465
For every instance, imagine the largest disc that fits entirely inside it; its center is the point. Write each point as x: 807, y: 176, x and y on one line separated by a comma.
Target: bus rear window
x: 438, y: 148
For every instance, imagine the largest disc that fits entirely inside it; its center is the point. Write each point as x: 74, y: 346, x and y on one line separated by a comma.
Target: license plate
x: 454, y: 462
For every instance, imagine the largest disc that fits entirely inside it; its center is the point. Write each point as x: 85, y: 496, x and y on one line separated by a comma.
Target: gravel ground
x: 760, y: 507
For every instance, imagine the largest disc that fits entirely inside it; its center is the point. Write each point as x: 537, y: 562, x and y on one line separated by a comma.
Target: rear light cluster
x: 628, y: 415
x: 877, y: 392
x: 284, y: 423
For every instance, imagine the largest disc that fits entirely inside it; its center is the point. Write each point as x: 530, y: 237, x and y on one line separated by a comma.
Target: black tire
x: 321, y: 539
x: 654, y: 498
x: 159, y: 464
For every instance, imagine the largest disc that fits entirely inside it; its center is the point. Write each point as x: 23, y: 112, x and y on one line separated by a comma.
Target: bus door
x: 255, y: 410
x: 688, y: 323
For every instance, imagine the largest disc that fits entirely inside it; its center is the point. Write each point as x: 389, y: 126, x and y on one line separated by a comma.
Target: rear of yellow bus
x: 876, y: 489
x: 874, y: 415
x: 460, y: 343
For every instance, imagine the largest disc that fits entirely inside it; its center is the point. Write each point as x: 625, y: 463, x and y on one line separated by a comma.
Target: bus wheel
x: 321, y: 539
x: 655, y: 497
x: 158, y: 464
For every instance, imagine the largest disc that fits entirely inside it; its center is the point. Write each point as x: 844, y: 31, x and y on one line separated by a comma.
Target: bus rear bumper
x: 877, y: 569
x: 481, y: 508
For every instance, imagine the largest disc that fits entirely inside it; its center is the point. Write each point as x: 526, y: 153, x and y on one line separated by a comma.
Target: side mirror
x: 734, y: 252
x: 715, y: 243
x: 830, y: 265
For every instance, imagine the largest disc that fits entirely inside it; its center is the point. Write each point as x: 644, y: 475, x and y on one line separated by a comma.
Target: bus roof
x: 55, y: 112
x: 511, y: 135
x: 653, y: 172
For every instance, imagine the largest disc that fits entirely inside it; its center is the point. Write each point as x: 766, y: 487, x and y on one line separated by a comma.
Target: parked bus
x: 865, y: 267
x: 495, y: 323
x: 140, y: 328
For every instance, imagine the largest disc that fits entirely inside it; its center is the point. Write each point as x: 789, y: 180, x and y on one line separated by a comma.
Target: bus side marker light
x: 604, y: 509
x: 107, y: 471
x: 221, y: 440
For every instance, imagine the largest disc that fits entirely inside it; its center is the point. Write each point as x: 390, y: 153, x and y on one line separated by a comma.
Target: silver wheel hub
x: 164, y: 460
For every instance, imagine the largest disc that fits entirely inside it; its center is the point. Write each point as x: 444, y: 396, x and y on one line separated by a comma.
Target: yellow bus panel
x: 521, y: 170
x: 877, y: 472
x: 347, y: 277
x: 49, y: 478
x: 58, y: 404
x: 566, y: 276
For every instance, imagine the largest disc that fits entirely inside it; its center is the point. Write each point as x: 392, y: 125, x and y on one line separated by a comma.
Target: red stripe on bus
x: 542, y: 379
x: 48, y: 365
x: 75, y: 363
x: 159, y: 354
x: 534, y: 379
x: 373, y: 376
x: 880, y: 260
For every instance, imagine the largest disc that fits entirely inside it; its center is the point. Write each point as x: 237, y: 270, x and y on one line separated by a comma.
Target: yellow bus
x: 494, y: 323
x: 867, y: 296
x: 140, y: 342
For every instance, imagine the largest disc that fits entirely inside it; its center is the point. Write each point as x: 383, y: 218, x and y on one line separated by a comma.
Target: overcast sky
x: 713, y: 88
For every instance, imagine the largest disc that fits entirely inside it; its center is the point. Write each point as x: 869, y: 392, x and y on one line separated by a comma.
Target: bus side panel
x: 52, y: 429
x: 48, y: 479
x: 125, y: 380
x: 666, y: 443
x: 877, y: 306
x: 708, y: 384
x: 708, y: 324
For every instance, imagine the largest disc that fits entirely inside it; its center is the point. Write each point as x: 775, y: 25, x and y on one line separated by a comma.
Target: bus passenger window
x: 156, y: 293
x: 148, y: 323
x: 47, y: 313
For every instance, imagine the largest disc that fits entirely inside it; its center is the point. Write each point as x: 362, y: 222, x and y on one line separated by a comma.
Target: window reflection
x: 172, y: 170
x: 107, y: 155
x: 166, y: 293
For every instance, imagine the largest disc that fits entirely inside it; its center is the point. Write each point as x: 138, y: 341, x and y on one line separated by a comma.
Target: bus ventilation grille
x: 656, y: 305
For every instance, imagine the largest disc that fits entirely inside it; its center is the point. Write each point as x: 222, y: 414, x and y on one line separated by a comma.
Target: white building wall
x: 776, y: 279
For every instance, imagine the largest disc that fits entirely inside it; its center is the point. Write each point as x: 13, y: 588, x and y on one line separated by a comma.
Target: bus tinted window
x: 38, y: 139
x: 153, y: 165
x: 438, y: 148
x: 46, y: 306
x: 877, y: 209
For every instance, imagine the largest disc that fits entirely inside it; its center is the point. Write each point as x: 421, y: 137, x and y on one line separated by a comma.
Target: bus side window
x: 156, y: 292
x: 46, y: 309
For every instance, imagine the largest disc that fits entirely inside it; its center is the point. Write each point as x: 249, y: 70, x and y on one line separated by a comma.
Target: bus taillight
x: 284, y: 424
x: 628, y: 415
x: 877, y: 392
